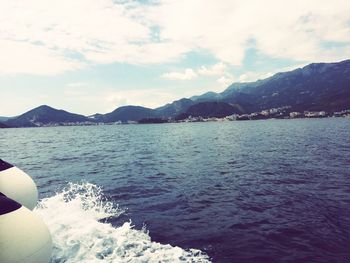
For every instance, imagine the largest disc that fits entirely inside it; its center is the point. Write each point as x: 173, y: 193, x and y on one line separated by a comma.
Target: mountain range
x: 45, y: 115
x: 3, y: 125
x: 315, y: 87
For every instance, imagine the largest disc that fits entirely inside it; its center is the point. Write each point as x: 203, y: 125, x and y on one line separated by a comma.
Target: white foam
x: 73, y: 219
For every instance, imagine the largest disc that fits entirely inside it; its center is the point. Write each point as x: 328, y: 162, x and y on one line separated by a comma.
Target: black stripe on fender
x: 7, y: 205
x: 5, y: 165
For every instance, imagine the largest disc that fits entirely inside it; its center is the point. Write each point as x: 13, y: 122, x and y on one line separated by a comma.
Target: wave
x: 74, y: 217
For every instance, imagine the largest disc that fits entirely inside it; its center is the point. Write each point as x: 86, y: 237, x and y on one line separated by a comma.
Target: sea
x: 241, y: 191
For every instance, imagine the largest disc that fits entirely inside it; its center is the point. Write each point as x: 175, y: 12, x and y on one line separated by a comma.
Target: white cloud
x: 254, y: 76
x: 50, y: 37
x: 150, y: 98
x: 251, y: 76
x: 76, y: 84
x: 217, y: 69
x: 225, y: 80
x: 47, y: 37
x: 286, y: 29
x: 108, y: 99
x: 188, y: 74
x: 21, y: 57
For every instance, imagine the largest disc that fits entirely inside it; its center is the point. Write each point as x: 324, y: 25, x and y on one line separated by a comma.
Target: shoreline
x: 194, y: 120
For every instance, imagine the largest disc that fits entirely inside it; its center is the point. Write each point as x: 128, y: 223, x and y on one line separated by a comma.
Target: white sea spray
x: 75, y: 219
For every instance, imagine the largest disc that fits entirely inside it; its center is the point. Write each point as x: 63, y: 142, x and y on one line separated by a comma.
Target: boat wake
x: 74, y: 218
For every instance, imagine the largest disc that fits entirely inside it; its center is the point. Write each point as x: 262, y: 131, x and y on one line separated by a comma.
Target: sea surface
x: 249, y: 191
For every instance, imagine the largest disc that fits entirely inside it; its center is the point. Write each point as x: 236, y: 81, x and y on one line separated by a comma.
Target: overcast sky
x: 89, y: 56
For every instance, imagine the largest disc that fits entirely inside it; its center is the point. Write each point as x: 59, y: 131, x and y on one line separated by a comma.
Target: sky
x: 89, y: 56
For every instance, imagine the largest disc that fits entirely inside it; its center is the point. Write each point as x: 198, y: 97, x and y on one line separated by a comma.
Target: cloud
x: 251, y: 76
x: 49, y: 37
x: 254, y: 76
x: 150, y: 98
x: 76, y: 84
x: 107, y: 99
x: 21, y: 57
x: 284, y: 29
x: 225, y: 80
x: 188, y: 74
x: 217, y: 73
x: 217, y: 69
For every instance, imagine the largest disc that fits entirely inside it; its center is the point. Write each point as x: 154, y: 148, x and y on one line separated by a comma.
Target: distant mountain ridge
x: 126, y: 113
x: 318, y: 86
x: 210, y: 109
x: 2, y: 119
x: 44, y: 115
x: 3, y: 125
x: 173, y: 109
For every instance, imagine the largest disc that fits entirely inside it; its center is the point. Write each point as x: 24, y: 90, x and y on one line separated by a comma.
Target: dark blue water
x: 256, y: 191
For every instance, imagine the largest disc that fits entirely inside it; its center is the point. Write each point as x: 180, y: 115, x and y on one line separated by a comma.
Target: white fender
x: 24, y: 238
x: 17, y: 185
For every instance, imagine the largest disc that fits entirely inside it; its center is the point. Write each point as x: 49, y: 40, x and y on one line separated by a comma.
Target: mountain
x: 315, y: 87
x: 173, y: 109
x: 127, y: 113
x: 208, y: 96
x: 95, y: 116
x: 318, y: 86
x: 2, y: 119
x: 44, y: 115
x: 3, y: 125
x: 137, y: 113
x: 210, y: 109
